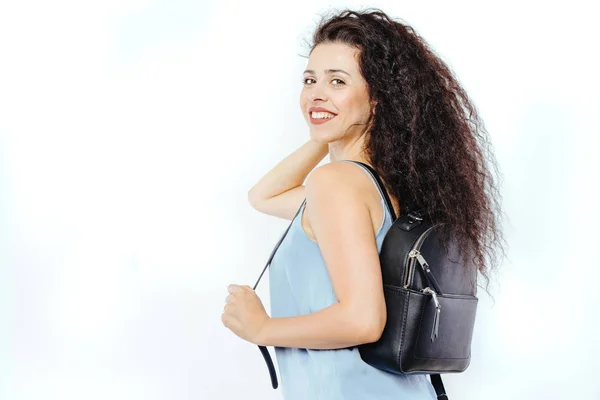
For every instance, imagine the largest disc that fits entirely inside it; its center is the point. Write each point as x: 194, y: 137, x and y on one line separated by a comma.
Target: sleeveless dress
x: 299, y: 284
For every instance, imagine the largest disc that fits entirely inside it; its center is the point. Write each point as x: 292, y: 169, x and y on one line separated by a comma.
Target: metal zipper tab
x: 425, y: 267
x: 417, y: 254
x: 410, y: 268
x: 438, y: 311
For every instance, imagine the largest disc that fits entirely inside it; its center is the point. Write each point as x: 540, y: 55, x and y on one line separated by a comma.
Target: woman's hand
x: 244, y: 313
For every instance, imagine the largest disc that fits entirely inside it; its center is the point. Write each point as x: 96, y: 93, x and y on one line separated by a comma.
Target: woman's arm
x: 341, y: 222
x: 278, y: 192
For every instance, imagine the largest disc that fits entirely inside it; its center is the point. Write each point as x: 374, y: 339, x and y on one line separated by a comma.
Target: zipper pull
x: 438, y: 310
x: 417, y: 254
x: 425, y: 267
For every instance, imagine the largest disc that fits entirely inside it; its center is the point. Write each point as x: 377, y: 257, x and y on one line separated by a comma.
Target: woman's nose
x: 317, y: 94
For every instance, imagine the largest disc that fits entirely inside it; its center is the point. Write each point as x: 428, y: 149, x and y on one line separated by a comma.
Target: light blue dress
x: 299, y: 284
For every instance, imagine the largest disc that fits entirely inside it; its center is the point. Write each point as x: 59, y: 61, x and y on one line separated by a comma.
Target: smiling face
x: 335, y: 95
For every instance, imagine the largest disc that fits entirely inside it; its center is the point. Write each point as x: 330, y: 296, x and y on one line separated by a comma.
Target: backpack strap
x: 382, y: 189
x: 438, y: 385
x: 263, y: 349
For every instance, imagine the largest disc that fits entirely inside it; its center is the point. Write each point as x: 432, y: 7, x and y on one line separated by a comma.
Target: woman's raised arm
x: 280, y: 192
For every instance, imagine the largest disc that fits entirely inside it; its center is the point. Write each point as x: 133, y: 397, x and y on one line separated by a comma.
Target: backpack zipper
x: 425, y: 267
x: 410, y: 269
x: 438, y: 311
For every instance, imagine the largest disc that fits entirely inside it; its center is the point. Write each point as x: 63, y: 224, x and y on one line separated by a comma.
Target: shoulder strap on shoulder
x: 382, y: 188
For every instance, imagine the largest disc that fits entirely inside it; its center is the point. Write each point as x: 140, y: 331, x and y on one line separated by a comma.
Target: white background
x: 131, y: 131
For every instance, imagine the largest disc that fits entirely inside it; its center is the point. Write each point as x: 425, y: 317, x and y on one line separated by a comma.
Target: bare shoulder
x: 340, y: 188
x: 340, y: 175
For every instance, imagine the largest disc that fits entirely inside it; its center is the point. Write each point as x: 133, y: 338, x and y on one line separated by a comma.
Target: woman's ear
x: 373, y: 107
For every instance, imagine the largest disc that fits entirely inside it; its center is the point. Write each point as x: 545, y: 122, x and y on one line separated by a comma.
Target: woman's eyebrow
x: 327, y: 71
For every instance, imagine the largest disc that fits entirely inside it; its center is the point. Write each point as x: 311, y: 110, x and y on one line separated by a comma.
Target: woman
x: 375, y: 93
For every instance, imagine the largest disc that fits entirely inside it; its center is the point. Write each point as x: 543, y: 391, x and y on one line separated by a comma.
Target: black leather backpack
x: 430, y: 299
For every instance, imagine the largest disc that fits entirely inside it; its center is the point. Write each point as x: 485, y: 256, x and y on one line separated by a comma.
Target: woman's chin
x: 319, y: 137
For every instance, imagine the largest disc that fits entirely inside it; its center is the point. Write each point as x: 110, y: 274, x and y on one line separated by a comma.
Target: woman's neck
x: 351, y: 149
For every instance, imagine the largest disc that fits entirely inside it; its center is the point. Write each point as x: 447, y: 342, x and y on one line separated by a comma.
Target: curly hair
x: 426, y: 140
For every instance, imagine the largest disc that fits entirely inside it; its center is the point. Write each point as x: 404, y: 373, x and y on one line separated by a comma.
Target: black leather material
x: 440, y: 390
x: 448, y: 269
x: 395, y: 248
x: 430, y: 300
x: 453, y: 348
x: 272, y: 373
x: 405, y: 345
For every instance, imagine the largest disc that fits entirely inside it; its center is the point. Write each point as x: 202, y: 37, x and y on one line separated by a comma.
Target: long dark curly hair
x: 426, y: 140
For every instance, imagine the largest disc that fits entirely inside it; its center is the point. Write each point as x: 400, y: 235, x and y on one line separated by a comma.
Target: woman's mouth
x: 320, y: 117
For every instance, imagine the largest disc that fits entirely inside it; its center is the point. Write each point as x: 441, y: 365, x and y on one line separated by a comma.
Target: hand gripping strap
x: 263, y: 349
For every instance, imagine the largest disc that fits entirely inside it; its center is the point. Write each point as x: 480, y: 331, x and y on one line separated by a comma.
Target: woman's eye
x: 310, y: 81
